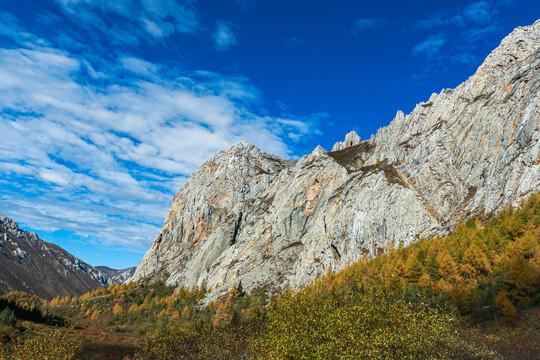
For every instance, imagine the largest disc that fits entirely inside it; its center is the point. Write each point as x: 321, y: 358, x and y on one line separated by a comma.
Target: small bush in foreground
x: 7, y: 317
x: 199, y: 342
x: 55, y: 345
x: 352, y: 324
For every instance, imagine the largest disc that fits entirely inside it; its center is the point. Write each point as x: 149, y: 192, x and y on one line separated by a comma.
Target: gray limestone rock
x: 249, y: 216
x: 351, y: 139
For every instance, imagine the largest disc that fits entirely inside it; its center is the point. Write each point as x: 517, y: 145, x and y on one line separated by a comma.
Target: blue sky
x: 106, y: 107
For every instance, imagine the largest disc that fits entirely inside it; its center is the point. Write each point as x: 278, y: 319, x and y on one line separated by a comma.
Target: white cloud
x: 103, y: 158
x: 53, y: 215
x: 9, y: 27
x: 54, y: 177
x: 478, y: 12
x: 156, y: 30
x: 471, y: 36
x: 439, y: 19
x: 159, y: 18
x: 139, y: 66
x: 465, y: 27
x: 430, y: 47
x: 15, y: 168
x: 224, y: 36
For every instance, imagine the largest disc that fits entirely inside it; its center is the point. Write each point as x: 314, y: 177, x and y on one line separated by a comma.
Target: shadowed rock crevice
x: 335, y: 250
x: 236, y: 228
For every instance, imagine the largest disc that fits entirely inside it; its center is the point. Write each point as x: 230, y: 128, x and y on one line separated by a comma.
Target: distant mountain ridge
x: 117, y: 276
x: 249, y: 216
x: 32, y: 265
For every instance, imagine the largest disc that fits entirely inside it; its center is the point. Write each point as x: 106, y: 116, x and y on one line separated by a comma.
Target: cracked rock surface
x: 250, y: 216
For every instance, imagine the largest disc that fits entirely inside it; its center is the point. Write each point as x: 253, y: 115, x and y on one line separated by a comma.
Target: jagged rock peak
x: 14, y: 228
x: 319, y: 150
x: 9, y: 223
x: 240, y: 149
x: 246, y: 149
x: 351, y: 139
x: 317, y: 153
x: 243, y: 146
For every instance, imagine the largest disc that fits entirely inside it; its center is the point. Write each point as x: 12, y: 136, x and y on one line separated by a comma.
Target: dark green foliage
x: 432, y: 267
x: 414, y: 271
x: 470, y: 223
x: 7, y: 317
x: 240, y: 289
x: 160, y: 290
x: 21, y: 311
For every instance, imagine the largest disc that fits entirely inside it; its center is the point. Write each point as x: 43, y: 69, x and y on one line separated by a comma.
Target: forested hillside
x: 472, y: 294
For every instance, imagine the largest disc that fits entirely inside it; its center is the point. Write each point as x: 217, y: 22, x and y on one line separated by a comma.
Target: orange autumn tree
x: 475, y: 262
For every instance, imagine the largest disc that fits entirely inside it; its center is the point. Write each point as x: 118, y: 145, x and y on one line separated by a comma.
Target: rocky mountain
x: 32, y: 265
x: 351, y: 139
x: 246, y: 215
x: 117, y: 276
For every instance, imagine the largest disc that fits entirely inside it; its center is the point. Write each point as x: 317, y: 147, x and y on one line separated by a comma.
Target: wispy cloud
x: 98, y: 146
x: 139, y: 66
x: 430, y: 47
x: 224, y: 36
x: 459, y: 31
x: 478, y: 12
x: 439, y: 19
x: 361, y: 25
x: 10, y: 28
x: 465, y: 58
x: 158, y: 30
x: 158, y: 18
x: 476, y: 34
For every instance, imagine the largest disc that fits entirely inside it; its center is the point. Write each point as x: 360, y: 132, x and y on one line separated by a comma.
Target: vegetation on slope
x: 411, y: 302
x: 351, y: 323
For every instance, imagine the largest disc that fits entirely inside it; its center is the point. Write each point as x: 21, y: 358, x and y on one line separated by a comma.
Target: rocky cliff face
x: 253, y: 217
x: 32, y: 265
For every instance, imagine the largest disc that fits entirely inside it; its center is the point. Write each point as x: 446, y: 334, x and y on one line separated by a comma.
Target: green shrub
x: 353, y: 325
x: 199, y: 342
x: 7, y: 317
x: 55, y: 345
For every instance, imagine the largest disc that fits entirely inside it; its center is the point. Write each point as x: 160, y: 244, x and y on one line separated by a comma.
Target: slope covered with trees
x: 470, y: 295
